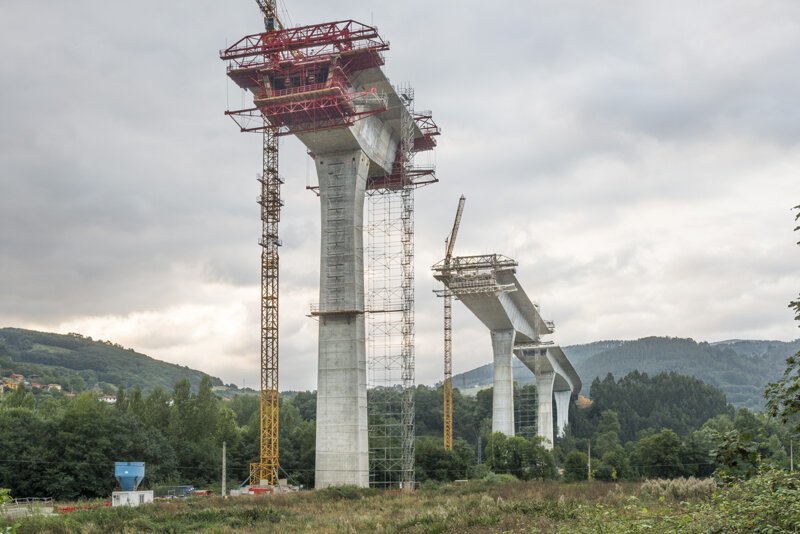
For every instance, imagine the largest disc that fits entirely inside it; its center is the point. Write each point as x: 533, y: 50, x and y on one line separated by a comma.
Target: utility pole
x: 791, y: 456
x: 224, y: 470
x: 589, y: 469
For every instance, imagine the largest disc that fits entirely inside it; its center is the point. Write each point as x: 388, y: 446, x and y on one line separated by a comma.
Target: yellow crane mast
x: 448, y: 332
x: 266, y: 470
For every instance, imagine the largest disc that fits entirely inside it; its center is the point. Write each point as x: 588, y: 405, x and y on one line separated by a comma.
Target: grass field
x: 496, y: 504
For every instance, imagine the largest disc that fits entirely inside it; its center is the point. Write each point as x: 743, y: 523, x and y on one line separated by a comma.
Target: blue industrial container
x: 129, y: 474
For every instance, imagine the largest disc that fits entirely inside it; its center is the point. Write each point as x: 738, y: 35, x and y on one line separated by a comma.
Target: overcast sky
x: 638, y: 158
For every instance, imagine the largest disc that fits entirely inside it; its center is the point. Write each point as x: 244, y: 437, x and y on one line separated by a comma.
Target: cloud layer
x: 639, y: 159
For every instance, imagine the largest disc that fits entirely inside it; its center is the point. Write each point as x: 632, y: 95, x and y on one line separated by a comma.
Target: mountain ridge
x: 740, y: 368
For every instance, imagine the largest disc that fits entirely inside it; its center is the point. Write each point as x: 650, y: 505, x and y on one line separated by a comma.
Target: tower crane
x: 448, y: 332
x: 266, y: 470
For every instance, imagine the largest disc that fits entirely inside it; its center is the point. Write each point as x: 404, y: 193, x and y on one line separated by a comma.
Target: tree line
x: 638, y: 426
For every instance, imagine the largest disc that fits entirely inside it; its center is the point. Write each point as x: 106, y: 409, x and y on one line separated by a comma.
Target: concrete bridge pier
x: 544, y: 406
x: 503, y: 395
x: 342, y: 447
x: 562, y: 410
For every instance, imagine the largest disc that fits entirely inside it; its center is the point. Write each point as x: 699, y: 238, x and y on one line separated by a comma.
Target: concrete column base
x: 503, y: 395
x: 562, y: 410
x: 544, y: 409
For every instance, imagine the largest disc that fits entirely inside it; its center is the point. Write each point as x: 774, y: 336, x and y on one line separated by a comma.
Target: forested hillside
x: 740, y: 368
x: 77, y: 363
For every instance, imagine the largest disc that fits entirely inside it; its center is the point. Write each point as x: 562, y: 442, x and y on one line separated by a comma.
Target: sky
x: 638, y: 159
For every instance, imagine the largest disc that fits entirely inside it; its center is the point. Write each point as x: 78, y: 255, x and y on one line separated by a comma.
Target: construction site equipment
x: 447, y: 401
x: 129, y: 474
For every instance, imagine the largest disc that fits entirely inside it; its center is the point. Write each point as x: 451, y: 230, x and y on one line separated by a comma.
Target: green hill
x: 740, y: 368
x: 77, y: 362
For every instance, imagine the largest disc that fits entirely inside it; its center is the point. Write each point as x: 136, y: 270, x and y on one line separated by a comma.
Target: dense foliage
x: 783, y: 396
x: 65, y: 448
x: 667, y: 400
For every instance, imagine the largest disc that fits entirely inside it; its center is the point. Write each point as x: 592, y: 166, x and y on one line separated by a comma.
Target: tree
x: 783, y: 396
x: 659, y: 455
x: 435, y: 463
x: 608, y: 428
x: 576, y: 466
x: 20, y: 398
x: 526, y: 459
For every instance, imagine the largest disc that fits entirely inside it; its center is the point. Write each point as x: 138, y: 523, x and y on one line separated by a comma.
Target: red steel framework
x: 301, y: 77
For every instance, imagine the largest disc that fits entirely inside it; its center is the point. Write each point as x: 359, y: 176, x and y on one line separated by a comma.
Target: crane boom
x: 269, y: 9
x: 450, y: 242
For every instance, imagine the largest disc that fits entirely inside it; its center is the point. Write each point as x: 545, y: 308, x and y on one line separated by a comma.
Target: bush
x: 768, y: 502
x: 575, y: 466
x: 678, y: 489
x: 499, y: 478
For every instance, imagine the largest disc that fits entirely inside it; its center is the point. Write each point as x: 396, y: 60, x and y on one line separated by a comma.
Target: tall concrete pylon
x: 342, y: 447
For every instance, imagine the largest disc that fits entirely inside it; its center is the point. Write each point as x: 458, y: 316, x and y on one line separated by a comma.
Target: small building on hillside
x: 17, y: 377
x: 53, y: 387
x: 108, y: 399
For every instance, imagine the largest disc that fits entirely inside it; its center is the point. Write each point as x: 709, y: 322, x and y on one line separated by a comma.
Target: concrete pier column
x: 544, y: 409
x: 562, y: 410
x: 342, y: 448
x: 503, y: 395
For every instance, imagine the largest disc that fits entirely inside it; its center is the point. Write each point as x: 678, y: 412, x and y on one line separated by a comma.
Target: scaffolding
x: 525, y: 403
x: 389, y: 251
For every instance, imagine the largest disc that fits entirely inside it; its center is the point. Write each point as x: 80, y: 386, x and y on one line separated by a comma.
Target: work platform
x: 489, y: 288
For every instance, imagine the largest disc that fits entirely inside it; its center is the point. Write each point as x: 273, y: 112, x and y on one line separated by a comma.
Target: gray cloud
x: 638, y: 159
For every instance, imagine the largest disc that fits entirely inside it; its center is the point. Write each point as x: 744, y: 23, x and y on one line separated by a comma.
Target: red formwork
x: 301, y: 76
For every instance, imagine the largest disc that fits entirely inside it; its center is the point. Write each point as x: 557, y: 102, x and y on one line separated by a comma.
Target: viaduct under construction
x: 324, y: 84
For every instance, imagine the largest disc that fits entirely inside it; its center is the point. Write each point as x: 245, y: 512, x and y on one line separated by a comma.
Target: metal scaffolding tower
x: 525, y: 405
x: 389, y: 236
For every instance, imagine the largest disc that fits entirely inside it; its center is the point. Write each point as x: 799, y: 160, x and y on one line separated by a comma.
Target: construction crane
x: 270, y: 11
x: 266, y: 470
x: 450, y: 243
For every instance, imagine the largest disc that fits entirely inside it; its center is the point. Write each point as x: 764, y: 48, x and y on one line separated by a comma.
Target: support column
x: 342, y: 448
x: 503, y: 395
x: 544, y: 409
x: 562, y: 410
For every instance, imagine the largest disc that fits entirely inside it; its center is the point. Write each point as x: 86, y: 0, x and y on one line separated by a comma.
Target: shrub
x: 575, y: 466
x: 499, y: 478
x: 768, y: 502
x: 678, y: 489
